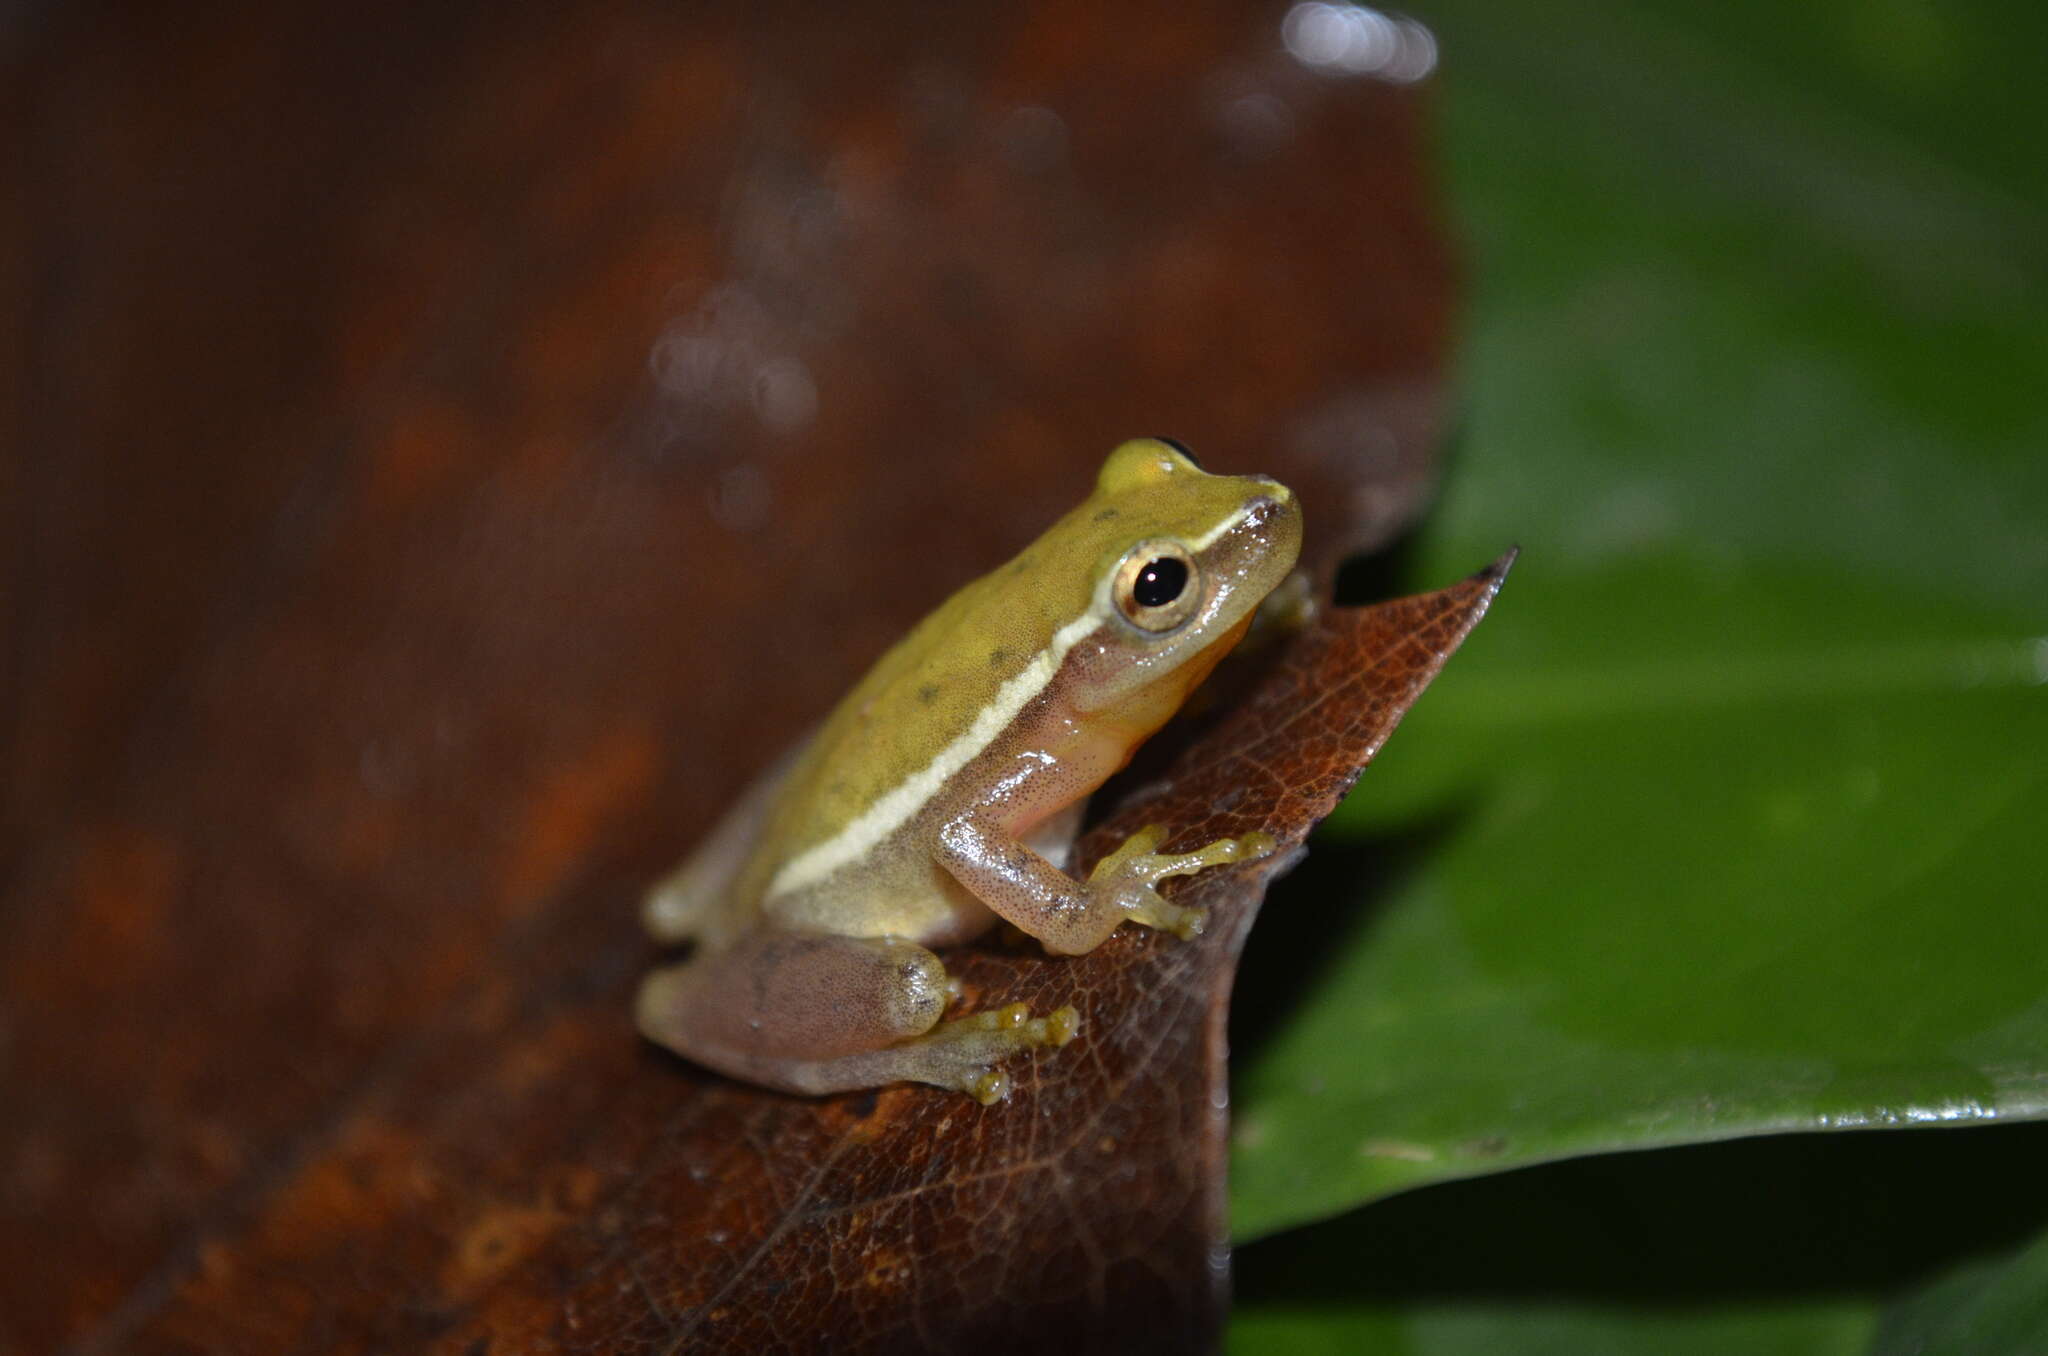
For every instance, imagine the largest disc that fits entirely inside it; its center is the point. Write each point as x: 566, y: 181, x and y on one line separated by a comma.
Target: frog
x: 943, y: 796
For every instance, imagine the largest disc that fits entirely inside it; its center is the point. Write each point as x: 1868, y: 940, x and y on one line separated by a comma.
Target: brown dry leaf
x: 457, y: 460
x: 542, y: 1185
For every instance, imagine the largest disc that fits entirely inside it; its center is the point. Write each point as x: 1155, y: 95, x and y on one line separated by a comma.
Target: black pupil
x: 1160, y: 582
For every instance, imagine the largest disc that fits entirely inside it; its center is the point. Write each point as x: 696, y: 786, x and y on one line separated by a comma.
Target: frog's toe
x: 1222, y: 852
x: 1131, y: 854
x: 966, y: 1053
x: 988, y: 1087
x: 1151, y: 910
x: 1136, y: 860
x: 1134, y: 870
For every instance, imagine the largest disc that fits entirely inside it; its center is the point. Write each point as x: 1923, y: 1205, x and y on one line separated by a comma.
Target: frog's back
x: 897, y: 736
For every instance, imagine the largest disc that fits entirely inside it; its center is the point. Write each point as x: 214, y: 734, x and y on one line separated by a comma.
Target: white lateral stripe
x: 894, y: 809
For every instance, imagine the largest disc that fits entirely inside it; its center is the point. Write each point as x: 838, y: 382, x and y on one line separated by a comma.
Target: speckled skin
x: 944, y: 791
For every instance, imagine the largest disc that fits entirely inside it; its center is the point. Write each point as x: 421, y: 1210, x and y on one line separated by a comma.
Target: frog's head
x: 1179, y: 561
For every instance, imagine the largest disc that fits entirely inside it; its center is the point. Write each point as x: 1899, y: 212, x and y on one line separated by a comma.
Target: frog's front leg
x: 1073, y: 916
x: 818, y: 1013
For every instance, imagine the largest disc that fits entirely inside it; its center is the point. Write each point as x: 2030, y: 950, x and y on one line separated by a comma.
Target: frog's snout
x: 1272, y: 530
x: 1265, y: 512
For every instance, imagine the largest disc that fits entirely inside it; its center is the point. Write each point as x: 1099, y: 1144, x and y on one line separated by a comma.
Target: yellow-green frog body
x: 943, y: 793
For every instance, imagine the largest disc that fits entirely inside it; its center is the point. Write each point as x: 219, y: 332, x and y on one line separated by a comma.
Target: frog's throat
x: 902, y: 802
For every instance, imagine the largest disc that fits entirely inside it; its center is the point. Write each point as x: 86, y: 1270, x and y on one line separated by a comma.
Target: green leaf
x: 1728, y: 820
x: 1777, y: 875
x: 1839, y: 1328
x: 1990, y: 1307
x: 1787, y: 1243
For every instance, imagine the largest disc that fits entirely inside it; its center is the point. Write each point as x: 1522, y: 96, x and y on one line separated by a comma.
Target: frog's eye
x: 1157, y: 586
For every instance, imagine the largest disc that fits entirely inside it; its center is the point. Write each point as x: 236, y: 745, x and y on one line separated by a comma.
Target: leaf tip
x: 1496, y: 571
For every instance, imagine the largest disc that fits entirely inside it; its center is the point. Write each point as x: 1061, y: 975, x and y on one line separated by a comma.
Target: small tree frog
x: 944, y: 793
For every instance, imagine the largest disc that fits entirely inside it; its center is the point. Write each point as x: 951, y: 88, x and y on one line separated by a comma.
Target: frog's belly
x: 906, y: 894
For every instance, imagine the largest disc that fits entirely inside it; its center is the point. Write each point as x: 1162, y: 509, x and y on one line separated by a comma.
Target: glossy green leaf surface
x: 1729, y: 820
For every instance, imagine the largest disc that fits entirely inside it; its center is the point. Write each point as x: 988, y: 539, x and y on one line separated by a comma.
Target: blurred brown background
x: 447, y: 450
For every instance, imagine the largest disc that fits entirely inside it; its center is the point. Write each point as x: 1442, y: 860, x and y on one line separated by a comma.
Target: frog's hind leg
x: 818, y: 1013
